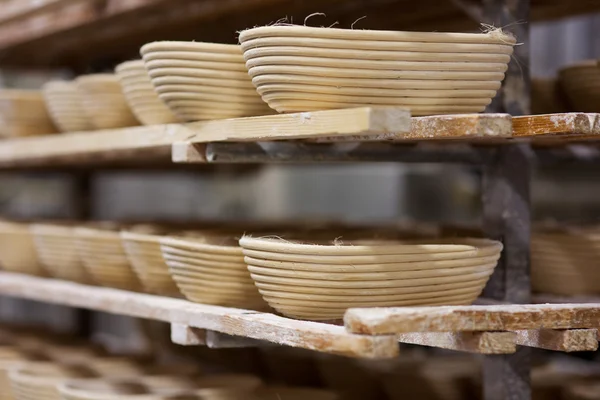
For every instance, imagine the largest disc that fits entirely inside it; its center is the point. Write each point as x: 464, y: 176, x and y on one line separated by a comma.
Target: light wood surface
x: 364, y: 121
x: 567, y: 340
x: 256, y: 325
x: 563, y: 124
x: 472, y: 342
x: 381, y: 321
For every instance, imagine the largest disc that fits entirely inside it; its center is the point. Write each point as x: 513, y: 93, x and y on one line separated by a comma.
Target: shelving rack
x: 73, y: 32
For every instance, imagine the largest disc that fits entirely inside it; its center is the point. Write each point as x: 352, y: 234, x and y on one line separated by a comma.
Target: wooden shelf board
x: 231, y: 321
x: 471, y: 342
x: 565, y: 340
x: 129, y: 143
x: 514, y: 317
x: 359, y: 134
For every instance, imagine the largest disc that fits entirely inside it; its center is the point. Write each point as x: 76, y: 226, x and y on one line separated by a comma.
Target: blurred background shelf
x: 76, y: 32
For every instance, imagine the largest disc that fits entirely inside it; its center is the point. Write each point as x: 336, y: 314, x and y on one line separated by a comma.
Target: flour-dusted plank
x: 551, y: 125
x: 102, y: 144
x: 232, y: 321
x: 472, y: 342
x: 394, y: 320
x: 567, y: 340
x: 437, y: 127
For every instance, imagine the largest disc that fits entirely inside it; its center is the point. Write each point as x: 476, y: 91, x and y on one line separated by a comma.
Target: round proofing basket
x: 140, y: 388
x: 24, y: 113
x: 64, y: 104
x: 17, y: 250
x: 203, y: 68
x: 320, y: 281
x: 145, y: 256
x: 290, y: 393
x: 564, y: 263
x: 276, y: 56
x: 105, y: 259
x: 581, y: 84
x: 211, y: 270
x: 39, y: 381
x: 136, y: 83
x: 57, y: 251
x: 104, y: 102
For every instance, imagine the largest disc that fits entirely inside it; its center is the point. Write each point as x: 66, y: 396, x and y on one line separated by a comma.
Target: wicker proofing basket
x: 211, y: 270
x: 320, y: 281
x: 39, y: 381
x: 145, y: 256
x: 140, y: 388
x: 17, y: 249
x: 140, y: 94
x: 302, y: 69
x: 104, y: 258
x: 57, y: 251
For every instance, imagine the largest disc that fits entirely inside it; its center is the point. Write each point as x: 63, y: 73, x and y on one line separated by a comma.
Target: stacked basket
x: 298, y: 68
x: 565, y: 262
x: 55, y: 246
x: 37, y: 381
x: 64, y: 103
x: 17, y: 249
x: 104, y: 258
x: 140, y: 94
x: 140, y: 387
x: 211, y: 270
x: 144, y: 254
x: 23, y: 113
x: 320, y: 281
x: 103, y: 101
x: 581, y: 83
x: 202, y: 81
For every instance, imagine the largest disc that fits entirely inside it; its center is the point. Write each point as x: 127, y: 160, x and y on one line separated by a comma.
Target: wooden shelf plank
x: 558, y: 126
x: 566, y: 340
x: 101, y: 144
x: 442, y: 127
x: 389, y: 321
x: 188, y: 336
x: 245, y: 323
x: 359, y: 134
x: 471, y: 342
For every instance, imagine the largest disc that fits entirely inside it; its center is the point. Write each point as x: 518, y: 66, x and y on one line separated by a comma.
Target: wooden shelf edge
x: 508, y: 317
x: 231, y: 321
x: 357, y: 134
x: 134, y: 141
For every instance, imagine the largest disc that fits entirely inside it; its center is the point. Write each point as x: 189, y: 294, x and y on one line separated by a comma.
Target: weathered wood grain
x: 472, y: 342
x: 363, y: 121
x: 564, y: 125
x: 567, y: 340
x: 388, y: 321
x: 441, y: 127
x: 245, y: 323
